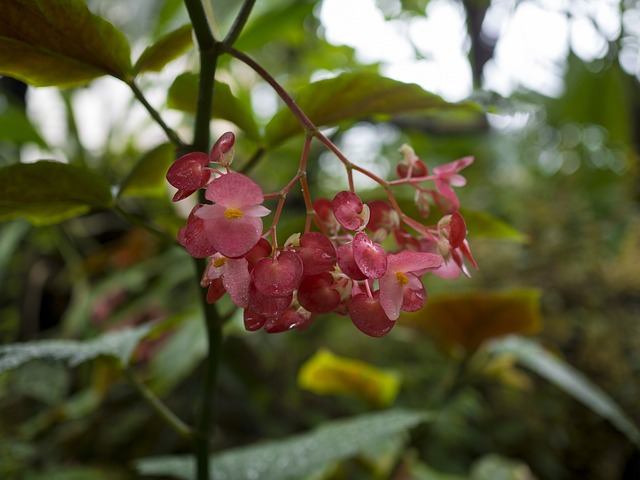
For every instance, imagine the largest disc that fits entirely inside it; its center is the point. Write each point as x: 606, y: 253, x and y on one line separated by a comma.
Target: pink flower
x: 452, y: 245
x: 446, y: 177
x: 234, y: 273
x: 401, y: 275
x: 349, y: 210
x: 189, y: 173
x: 233, y: 224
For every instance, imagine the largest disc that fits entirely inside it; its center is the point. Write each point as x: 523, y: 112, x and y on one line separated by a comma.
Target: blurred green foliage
x: 553, y: 206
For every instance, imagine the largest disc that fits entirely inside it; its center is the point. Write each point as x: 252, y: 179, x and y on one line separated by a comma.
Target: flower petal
x: 194, y: 240
x: 391, y: 295
x: 234, y: 190
x: 235, y: 236
x: 369, y: 256
x: 408, y: 261
x: 236, y: 280
x: 255, y: 211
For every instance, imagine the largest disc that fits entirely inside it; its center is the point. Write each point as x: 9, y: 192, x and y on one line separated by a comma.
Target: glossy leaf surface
x: 351, y: 96
x: 59, y: 43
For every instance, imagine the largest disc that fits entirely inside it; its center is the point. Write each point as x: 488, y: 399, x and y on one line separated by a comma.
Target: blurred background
x: 556, y: 170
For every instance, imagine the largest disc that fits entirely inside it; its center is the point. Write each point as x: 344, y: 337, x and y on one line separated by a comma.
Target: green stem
x: 209, y: 52
x: 239, y: 23
x: 161, y: 409
x: 171, y: 134
x: 78, y: 155
x: 213, y: 324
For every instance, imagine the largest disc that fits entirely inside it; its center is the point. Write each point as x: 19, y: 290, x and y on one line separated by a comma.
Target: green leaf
x: 298, y: 455
x: 482, y: 225
x: 59, y: 43
x: 48, y: 192
x: 167, y: 48
x: 15, y: 127
x: 567, y: 378
x: 183, y: 95
x: 147, y: 178
x: 280, y: 23
x: 351, y: 96
x: 118, y: 345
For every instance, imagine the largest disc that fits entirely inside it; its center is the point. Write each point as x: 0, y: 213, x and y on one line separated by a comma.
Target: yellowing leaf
x: 326, y: 374
x: 59, y: 43
x: 469, y: 319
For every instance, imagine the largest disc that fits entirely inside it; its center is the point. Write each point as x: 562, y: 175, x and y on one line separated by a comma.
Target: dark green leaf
x: 118, y: 345
x: 59, y: 43
x: 348, y: 97
x: 167, y: 48
x: 147, y: 178
x: 183, y: 95
x: 298, y: 455
x: 567, y: 378
x: 15, y: 127
x: 49, y: 192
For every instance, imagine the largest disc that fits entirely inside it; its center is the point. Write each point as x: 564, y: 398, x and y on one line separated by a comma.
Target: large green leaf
x: 167, y: 48
x: 147, y: 178
x: 59, y: 43
x: 483, y: 225
x: 567, y: 378
x: 351, y: 96
x: 49, y: 192
x: 183, y: 95
x: 118, y: 345
x: 16, y: 128
x: 296, y: 456
x: 280, y: 23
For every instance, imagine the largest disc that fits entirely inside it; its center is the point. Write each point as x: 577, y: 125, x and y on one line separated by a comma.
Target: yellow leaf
x: 469, y: 319
x: 326, y: 374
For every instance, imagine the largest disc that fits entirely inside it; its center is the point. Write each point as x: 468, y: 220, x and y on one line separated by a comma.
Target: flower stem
x: 161, y: 409
x: 205, y: 420
x: 239, y: 22
x: 171, y: 134
x: 209, y: 53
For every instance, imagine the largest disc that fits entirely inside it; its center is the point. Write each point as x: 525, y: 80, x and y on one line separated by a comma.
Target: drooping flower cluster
x: 341, y: 268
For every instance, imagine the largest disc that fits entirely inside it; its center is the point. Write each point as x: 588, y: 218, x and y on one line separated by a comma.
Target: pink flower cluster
x: 342, y: 268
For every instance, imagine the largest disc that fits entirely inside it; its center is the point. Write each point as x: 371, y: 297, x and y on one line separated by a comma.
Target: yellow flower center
x: 218, y: 262
x: 232, y: 213
x: 402, y: 278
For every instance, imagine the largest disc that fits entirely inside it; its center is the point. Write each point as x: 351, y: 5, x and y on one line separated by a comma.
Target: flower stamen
x: 232, y: 213
x: 402, y: 278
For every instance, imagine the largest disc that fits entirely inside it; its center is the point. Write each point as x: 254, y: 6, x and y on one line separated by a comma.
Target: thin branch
x: 161, y: 409
x: 239, y: 23
x: 307, y: 124
x: 171, y: 134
